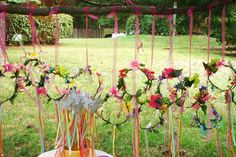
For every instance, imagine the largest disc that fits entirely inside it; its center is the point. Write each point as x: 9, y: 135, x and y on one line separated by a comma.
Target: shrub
x: 45, y: 28
x: 161, y: 25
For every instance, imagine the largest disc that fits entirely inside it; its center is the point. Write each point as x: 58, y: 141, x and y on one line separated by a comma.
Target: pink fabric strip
x: 210, y: 114
x: 171, y: 58
x: 223, y: 31
x: 209, y: 32
x: 3, y: 34
x: 34, y: 31
x: 129, y: 2
x: 86, y: 10
x: 190, y: 14
x: 116, y: 31
x: 138, y: 43
x: 153, y: 10
x: 218, y: 144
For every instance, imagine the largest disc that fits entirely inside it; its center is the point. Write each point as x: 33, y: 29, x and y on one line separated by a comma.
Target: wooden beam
x: 103, y: 10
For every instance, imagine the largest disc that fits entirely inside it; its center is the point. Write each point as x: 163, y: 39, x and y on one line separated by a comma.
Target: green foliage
x: 161, y: 25
x: 45, y: 28
x: 216, y: 30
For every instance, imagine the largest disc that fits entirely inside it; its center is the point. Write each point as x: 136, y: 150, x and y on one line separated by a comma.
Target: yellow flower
x: 127, y: 107
x: 164, y: 108
x: 33, y: 55
x: 72, y: 83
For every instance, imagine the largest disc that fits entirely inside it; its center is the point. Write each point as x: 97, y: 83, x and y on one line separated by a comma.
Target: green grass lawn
x: 20, y: 121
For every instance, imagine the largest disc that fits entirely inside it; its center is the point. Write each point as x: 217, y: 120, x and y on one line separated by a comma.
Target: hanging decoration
x: 223, y: 29
x: 86, y: 10
x: 3, y: 34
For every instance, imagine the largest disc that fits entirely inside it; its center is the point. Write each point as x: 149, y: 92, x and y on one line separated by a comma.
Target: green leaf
x: 176, y: 73
x: 128, y: 98
x: 204, y: 109
x: 139, y: 93
x: 166, y: 100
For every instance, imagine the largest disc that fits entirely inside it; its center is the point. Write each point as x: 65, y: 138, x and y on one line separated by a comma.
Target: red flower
x: 196, y: 106
x: 205, y: 98
x: 166, y: 73
x: 123, y: 73
x: 155, y: 101
x: 219, y: 63
x: 41, y: 91
x: 149, y: 73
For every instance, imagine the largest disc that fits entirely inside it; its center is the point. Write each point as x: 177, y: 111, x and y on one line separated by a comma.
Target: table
x: 98, y: 153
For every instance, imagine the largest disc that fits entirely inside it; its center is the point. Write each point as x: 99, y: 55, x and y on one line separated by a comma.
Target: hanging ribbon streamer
x: 39, y: 104
x: 114, y: 60
x: 34, y: 31
x: 171, y: 64
x: 129, y: 2
x: 154, y: 12
x: 232, y: 122
x: 223, y: 30
x: 171, y: 58
x: 57, y: 34
x: 218, y: 143
x: 1, y: 155
x: 116, y: 31
x: 136, y: 141
x: 210, y: 114
x: 86, y: 10
x: 92, y: 133
x: 190, y: 14
x: 210, y: 6
x: 229, y: 137
x: 3, y: 34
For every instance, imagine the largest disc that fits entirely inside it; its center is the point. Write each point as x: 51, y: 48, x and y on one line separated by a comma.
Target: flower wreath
x: 212, y: 68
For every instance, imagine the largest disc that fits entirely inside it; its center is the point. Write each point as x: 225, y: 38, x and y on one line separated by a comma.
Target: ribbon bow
x: 86, y: 10
x: 129, y: 2
x: 111, y: 15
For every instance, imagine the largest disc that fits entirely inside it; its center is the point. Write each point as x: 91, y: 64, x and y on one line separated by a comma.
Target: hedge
x: 45, y: 28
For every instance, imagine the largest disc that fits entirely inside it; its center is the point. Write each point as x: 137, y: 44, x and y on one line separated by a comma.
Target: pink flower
x: 20, y: 83
x: 9, y: 67
x: 219, y: 63
x: 166, y: 73
x: 114, y: 92
x: 155, y: 101
x: 41, y: 91
x: 172, y: 94
x: 134, y: 65
x: 20, y: 66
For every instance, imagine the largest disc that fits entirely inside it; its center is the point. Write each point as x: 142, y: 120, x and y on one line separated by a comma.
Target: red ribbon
x: 86, y: 10
x: 57, y: 34
x: 223, y: 30
x: 190, y: 14
x: 34, y: 31
x: 3, y: 34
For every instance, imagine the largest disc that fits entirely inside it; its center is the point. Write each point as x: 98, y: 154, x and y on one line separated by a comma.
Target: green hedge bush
x: 46, y: 28
x: 161, y: 25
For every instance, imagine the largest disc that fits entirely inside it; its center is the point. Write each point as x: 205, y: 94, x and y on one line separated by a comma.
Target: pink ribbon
x: 210, y: 6
x: 116, y: 31
x: 223, y: 30
x: 138, y: 43
x: 171, y: 59
x: 190, y: 14
x: 154, y: 12
x: 86, y: 10
x: 57, y: 34
x: 129, y: 2
x: 3, y: 34
x: 34, y: 31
